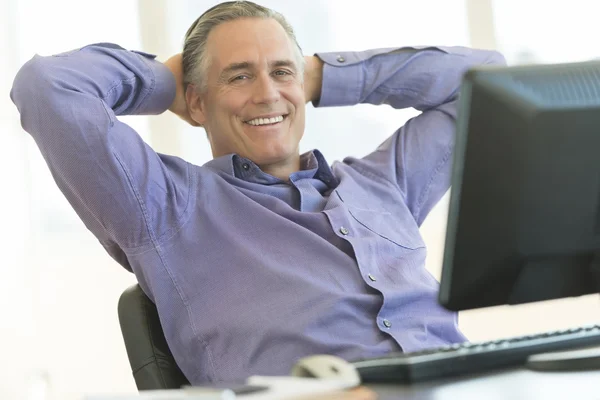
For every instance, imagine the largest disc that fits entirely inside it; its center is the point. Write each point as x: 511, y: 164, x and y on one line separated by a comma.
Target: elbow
x: 32, y: 83
x: 36, y: 92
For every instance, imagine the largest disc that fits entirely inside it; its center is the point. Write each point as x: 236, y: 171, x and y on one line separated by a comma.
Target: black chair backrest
x: 151, y: 361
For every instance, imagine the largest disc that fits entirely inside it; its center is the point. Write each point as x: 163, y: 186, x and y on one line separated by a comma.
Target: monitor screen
x: 524, y: 214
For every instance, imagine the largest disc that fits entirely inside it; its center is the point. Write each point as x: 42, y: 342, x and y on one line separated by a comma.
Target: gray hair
x: 195, y: 59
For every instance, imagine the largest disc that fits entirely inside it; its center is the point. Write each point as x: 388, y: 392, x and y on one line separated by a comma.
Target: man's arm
x: 313, y: 78
x: 124, y: 192
x: 179, y: 106
x: 417, y: 157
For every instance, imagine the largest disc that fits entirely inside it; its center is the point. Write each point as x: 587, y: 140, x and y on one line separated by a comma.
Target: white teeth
x: 265, y: 121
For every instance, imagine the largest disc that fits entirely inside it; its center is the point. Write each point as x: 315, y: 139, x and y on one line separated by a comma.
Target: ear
x: 195, y: 104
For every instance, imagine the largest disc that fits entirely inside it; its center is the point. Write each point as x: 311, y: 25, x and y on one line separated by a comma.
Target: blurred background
x: 59, y: 290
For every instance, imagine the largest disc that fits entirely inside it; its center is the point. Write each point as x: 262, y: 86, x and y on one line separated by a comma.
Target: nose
x: 266, y: 90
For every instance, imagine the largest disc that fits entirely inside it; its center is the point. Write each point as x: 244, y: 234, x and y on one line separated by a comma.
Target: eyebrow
x: 234, y: 67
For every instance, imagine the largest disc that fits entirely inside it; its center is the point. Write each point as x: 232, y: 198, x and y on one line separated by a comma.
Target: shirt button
x: 387, y: 323
x: 341, y: 59
x: 372, y: 278
x: 344, y: 231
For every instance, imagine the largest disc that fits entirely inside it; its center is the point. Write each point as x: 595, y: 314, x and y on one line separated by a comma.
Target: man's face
x: 254, y: 102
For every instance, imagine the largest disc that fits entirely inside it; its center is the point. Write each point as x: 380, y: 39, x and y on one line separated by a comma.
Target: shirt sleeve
x: 125, y: 193
x: 417, y: 157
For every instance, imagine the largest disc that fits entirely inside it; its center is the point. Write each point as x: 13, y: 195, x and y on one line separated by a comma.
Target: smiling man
x: 262, y: 255
x: 250, y: 97
x: 252, y: 102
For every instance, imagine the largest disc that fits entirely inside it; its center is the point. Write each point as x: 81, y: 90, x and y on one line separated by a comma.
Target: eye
x: 240, y: 78
x: 282, y: 72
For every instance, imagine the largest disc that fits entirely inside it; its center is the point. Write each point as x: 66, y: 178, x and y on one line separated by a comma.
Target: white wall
x: 59, y: 290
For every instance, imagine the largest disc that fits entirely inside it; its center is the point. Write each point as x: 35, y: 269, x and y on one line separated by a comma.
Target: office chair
x: 152, y: 363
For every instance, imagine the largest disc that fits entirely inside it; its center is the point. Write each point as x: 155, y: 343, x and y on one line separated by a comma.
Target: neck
x: 283, y: 169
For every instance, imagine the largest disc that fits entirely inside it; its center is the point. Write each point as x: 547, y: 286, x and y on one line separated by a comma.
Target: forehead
x: 248, y: 40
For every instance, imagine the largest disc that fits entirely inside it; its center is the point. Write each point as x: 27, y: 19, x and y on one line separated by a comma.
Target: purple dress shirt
x: 248, y: 272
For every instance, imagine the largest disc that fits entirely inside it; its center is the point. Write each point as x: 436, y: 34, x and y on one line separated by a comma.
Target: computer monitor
x: 524, y: 214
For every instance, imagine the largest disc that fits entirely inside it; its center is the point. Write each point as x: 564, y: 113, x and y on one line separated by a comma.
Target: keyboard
x: 467, y: 358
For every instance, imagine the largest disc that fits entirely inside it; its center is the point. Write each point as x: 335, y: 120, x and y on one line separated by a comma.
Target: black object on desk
x: 524, y: 215
x: 468, y: 358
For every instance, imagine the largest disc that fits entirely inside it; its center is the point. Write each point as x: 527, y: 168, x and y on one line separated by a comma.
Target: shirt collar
x: 312, y: 164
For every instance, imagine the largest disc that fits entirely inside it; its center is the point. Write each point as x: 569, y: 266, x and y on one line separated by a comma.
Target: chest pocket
x: 393, y: 222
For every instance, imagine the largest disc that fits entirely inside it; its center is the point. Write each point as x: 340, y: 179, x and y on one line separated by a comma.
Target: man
x: 262, y: 255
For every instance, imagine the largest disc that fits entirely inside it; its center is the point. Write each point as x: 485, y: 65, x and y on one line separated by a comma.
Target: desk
x: 514, y: 384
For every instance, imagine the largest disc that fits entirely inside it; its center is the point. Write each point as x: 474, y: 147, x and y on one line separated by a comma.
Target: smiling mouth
x: 266, y: 121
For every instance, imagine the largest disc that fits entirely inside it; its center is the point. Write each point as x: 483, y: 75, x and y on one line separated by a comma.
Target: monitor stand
x: 584, y: 359
x: 581, y: 359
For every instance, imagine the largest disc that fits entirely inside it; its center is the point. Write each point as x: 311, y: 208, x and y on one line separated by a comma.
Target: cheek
x: 227, y: 105
x: 295, y: 95
x: 300, y: 111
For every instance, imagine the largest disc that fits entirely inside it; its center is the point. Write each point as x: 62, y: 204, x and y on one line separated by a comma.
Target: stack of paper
x: 287, y: 387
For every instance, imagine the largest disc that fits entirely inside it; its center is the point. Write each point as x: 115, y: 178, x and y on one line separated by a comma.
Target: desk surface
x: 514, y: 384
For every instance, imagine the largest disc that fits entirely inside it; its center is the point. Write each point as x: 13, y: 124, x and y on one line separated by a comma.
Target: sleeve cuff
x: 343, y: 79
x: 163, y: 90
